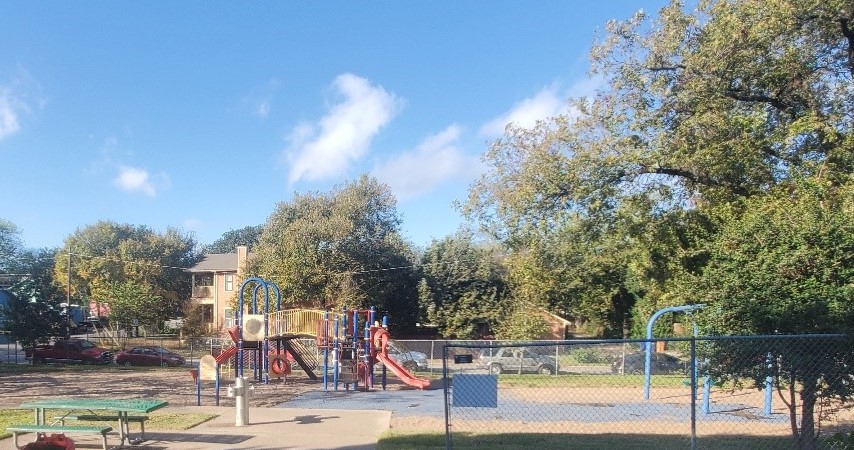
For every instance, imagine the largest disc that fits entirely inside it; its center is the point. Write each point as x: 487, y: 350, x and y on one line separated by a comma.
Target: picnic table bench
x: 65, y: 429
x: 106, y: 418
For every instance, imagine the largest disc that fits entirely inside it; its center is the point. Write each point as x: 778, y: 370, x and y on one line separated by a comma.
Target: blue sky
x: 204, y: 115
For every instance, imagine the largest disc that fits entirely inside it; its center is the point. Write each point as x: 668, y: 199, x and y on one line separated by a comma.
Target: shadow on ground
x: 462, y: 441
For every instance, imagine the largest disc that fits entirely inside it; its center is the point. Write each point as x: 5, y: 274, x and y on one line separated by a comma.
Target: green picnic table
x: 94, y: 409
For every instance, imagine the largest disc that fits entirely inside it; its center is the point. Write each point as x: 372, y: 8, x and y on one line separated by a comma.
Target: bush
x: 588, y: 356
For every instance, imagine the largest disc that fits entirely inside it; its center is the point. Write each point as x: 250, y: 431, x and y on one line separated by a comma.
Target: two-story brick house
x: 216, y: 280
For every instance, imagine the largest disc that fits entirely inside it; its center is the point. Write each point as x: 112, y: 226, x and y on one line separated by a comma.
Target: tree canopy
x: 340, y: 249
x: 229, y: 240
x: 10, y: 245
x: 713, y: 164
x: 107, y: 255
x: 696, y: 109
x: 463, y: 291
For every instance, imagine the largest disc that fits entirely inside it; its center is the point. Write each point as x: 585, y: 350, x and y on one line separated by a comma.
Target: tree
x: 229, y: 240
x: 723, y: 108
x: 783, y: 264
x: 10, y: 245
x: 339, y: 249
x: 463, y: 291
x: 107, y: 253
x: 135, y: 303
x: 696, y: 110
x: 33, y: 316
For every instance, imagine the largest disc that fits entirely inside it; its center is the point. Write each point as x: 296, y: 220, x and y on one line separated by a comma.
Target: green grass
x: 604, y: 381
x: 158, y: 421
x: 506, y: 441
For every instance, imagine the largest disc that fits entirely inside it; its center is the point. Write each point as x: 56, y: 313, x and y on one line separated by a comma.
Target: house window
x: 228, y: 318
x: 207, y: 313
x: 229, y: 282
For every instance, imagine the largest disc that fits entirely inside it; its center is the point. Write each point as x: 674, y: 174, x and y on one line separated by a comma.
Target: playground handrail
x: 303, y: 322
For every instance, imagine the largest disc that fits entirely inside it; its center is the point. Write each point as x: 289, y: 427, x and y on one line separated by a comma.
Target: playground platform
x: 275, y: 428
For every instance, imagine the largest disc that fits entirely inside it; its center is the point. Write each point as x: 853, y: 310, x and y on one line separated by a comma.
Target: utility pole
x: 68, y: 295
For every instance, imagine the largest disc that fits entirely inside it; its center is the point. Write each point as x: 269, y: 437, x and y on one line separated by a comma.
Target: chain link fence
x: 771, y: 392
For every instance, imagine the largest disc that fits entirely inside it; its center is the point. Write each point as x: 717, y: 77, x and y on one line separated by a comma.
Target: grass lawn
x: 506, y: 441
x: 588, y: 380
x: 158, y: 421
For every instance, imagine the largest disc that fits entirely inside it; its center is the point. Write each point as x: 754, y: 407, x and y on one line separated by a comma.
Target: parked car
x: 410, y: 360
x: 149, y: 356
x: 514, y: 359
x: 660, y: 363
x: 70, y: 350
x: 94, y: 322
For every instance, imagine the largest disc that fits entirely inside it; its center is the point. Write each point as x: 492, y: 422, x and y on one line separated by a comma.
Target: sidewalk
x: 270, y: 429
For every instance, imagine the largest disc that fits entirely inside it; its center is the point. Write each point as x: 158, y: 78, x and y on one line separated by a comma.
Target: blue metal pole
x: 265, y: 345
x: 648, y: 344
x: 325, y: 339
x: 356, y: 348
x: 385, y: 372
x: 216, y: 384
x: 369, y: 372
x: 769, y: 386
x: 336, y: 355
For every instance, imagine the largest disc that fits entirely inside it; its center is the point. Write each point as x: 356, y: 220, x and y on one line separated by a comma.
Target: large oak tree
x: 730, y: 106
x: 340, y: 249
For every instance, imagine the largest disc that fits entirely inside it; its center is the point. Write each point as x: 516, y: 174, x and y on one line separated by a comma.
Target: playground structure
x: 271, y: 342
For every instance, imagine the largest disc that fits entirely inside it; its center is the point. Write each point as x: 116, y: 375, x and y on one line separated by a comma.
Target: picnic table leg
x: 39, y: 416
x: 124, y: 428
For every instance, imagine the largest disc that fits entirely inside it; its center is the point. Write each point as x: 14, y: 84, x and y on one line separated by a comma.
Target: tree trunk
x: 807, y: 437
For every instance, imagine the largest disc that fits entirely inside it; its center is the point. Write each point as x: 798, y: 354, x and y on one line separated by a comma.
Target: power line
x: 126, y: 261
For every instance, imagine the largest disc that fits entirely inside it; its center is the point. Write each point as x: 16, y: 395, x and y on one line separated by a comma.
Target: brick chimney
x: 242, y: 253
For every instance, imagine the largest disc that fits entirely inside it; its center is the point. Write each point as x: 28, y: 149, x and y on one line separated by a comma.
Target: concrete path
x: 268, y: 429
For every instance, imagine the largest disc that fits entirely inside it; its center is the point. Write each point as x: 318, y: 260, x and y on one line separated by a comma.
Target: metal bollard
x: 241, y: 401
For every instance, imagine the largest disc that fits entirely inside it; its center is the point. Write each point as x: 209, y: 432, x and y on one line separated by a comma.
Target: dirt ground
x: 176, y: 387
x: 172, y: 385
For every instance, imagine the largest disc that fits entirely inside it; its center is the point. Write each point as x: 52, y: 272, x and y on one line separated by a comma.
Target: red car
x: 149, y: 356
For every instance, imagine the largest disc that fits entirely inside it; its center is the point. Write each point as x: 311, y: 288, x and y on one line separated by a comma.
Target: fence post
x: 693, y: 393
x: 445, y: 386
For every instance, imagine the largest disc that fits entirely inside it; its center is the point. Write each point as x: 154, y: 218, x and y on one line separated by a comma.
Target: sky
x: 203, y: 116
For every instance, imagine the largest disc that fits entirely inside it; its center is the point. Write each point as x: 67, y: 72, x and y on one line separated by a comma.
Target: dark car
x: 660, y: 363
x: 149, y: 356
x: 410, y: 360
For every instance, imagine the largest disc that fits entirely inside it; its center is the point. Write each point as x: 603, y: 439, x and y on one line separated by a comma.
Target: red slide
x: 381, y: 344
x: 402, y: 373
x: 224, y: 356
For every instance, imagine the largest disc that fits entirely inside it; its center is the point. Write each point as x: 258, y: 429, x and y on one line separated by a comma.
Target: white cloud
x: 132, y: 179
x: 549, y: 102
x: 437, y: 159
x: 17, y: 97
x: 326, y: 149
x: 192, y: 224
x: 526, y: 113
x: 9, y: 124
x: 260, y: 99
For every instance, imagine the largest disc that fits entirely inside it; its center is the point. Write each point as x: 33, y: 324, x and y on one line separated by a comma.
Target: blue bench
x: 64, y: 429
